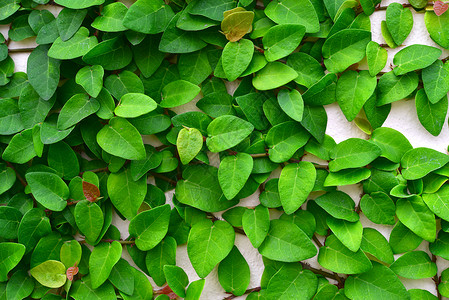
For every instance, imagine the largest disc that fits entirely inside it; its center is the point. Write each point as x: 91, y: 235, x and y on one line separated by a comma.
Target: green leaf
x: 91, y: 79
x: 19, y: 286
x: 378, y: 208
x: 48, y: 189
x: 148, y: 16
x: 8, y: 8
x: 403, y: 239
x: 213, y: 9
x: 252, y: 107
x: 287, y: 242
x: 126, y: 194
x: 63, y: 160
x: 147, y: 55
x: 236, y: 58
x: 195, y: 289
x: 294, y: 12
x: 216, y: 104
x: 415, y: 162
x: 437, y: 28
x: 273, y: 75
x: 194, y: 67
x: 78, y: 107
x: 436, y: 81
x: 9, y: 222
x: 290, y: 282
x: 349, y: 233
x: 201, y: 189
x: 345, y: 48
x: 10, y: 256
x: 383, y: 136
x: 102, y: 260
x: 353, y: 153
x: 163, y: 254
x: 175, y: 40
x: 226, y: 132
x: 80, y: 4
x: 392, y: 88
x: 339, y: 205
x: 376, y: 57
x: 33, y: 226
x: 414, y: 265
x: 347, y: 177
x: 178, y: 92
x: 337, y: 258
x: 78, y: 45
x: 70, y: 253
x: 152, y: 160
x: 101, y: 54
x: 111, y: 19
x: 431, y: 116
x: 436, y: 202
x: 121, y: 139
x: 415, y: 57
x: 142, y: 287
x: 208, y: 244
x: 21, y: 148
x: 89, y: 219
x: 308, y: 68
x: 150, y: 227
x: 189, y: 144
x: 82, y: 289
x: 315, y: 121
x: 133, y: 105
x: 284, y: 139
x: 295, y: 184
x: 120, y: 277
x: 399, y: 22
x: 234, y: 273
x: 415, y: 214
x: 233, y: 173
x: 68, y: 22
x: 33, y: 109
x: 353, y: 90
x: 374, y: 243
x: 416, y: 294
x: 256, y: 223
x: 177, y: 279
x: 291, y: 103
x: 50, y: 273
x: 378, y: 283
x: 281, y: 40
x: 43, y: 72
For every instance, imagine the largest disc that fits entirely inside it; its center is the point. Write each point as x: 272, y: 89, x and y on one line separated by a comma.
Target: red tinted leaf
x: 166, y: 290
x: 72, y: 271
x: 439, y: 7
x: 91, y: 192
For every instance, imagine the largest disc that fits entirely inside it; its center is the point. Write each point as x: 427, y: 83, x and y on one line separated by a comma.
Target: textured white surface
x: 402, y: 118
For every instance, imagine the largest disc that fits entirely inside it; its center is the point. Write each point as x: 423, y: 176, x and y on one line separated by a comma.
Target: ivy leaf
x: 213, y: 9
x: 89, y: 219
x: 376, y: 57
x: 337, y: 258
x: 399, y: 22
x: 353, y: 153
x: 189, y: 144
x: 11, y: 254
x: 292, y: 104
x: 102, y: 260
x: 79, y: 4
x: 226, y: 132
x: 236, y: 58
x: 48, y: 189
x: 237, y: 24
x: 374, y: 243
x: 436, y: 26
x: 111, y: 19
x: 414, y: 265
x: 416, y: 165
x: 177, y: 279
x: 415, y: 57
x: 383, y: 136
x: 233, y: 173
x: 178, y: 92
x: 133, y: 105
x: 294, y: 12
x: 379, y: 282
x: 33, y: 226
x: 273, y: 75
x: 161, y: 255
x: 295, y: 184
x: 286, y: 242
x: 150, y: 227
x: 345, y: 48
x: 78, y: 45
x: 415, y: 214
x: 290, y: 282
x: 256, y: 223
x: 50, y: 273
x: 91, y: 79
x: 9, y: 222
x: 43, y: 72
x: 83, y: 288
x: 20, y: 285
x: 208, y: 244
x: 378, y: 208
x: 121, y: 139
x: 339, y: 205
x: 101, y: 53
x: 234, y: 273
x: 126, y: 194
x: 281, y: 40
x: 75, y: 109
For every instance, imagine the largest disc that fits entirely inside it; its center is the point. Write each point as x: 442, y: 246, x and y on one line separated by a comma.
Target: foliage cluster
x: 105, y: 76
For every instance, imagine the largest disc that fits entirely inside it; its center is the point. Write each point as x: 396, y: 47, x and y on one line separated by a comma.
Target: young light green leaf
x: 236, y: 58
x: 436, y: 81
x: 233, y: 173
x: 189, y: 144
x: 383, y: 136
x: 79, y: 4
x: 376, y: 57
x: 273, y: 75
x: 178, y: 92
x: 208, y: 244
x: 437, y: 28
x: 111, y: 19
x: 50, y: 273
x: 349, y: 233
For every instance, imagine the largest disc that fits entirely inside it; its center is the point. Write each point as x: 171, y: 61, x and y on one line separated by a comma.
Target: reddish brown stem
x: 248, y: 291
x: 22, y: 181
x: 163, y: 177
